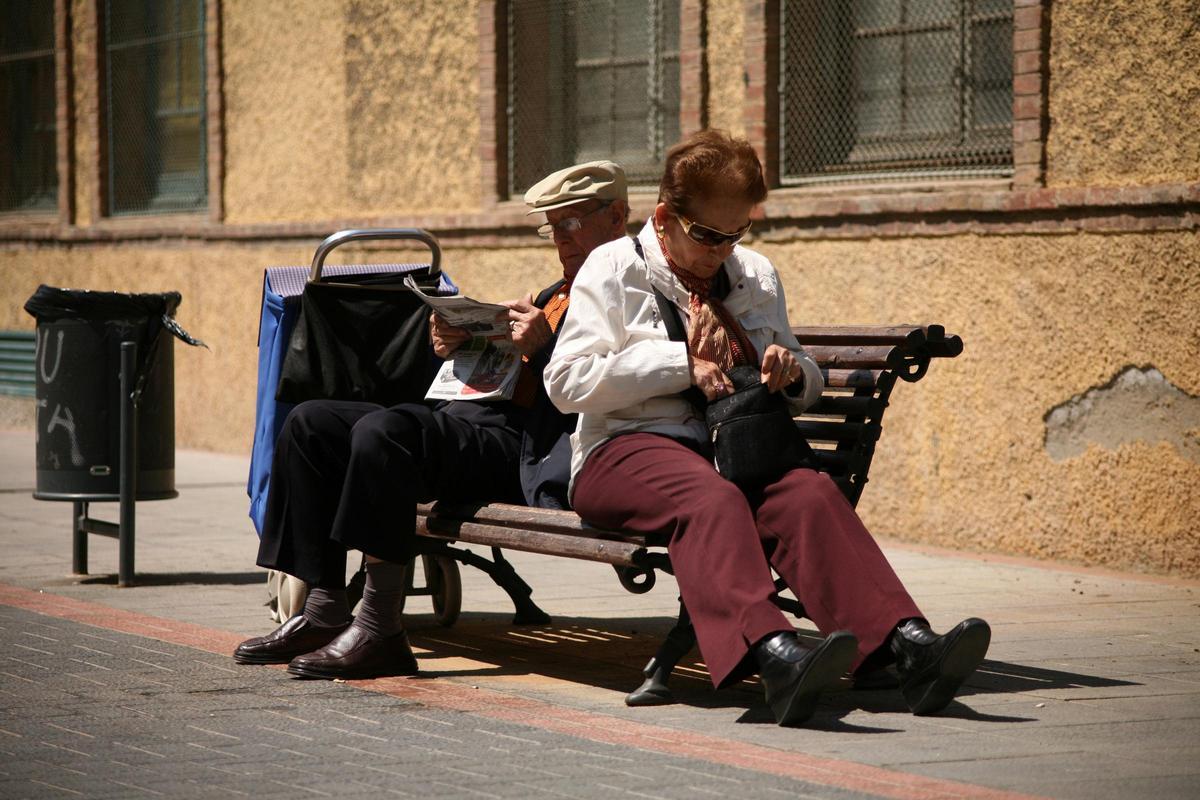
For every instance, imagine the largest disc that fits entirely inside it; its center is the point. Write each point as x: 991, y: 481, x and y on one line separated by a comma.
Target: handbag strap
x: 669, y: 314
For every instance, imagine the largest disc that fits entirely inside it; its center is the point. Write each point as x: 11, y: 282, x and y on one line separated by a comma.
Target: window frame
x: 63, y: 211
x: 105, y: 53
x: 496, y: 141
x: 761, y: 111
x: 96, y: 118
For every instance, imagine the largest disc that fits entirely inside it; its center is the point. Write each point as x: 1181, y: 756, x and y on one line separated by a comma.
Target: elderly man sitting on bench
x: 348, y: 475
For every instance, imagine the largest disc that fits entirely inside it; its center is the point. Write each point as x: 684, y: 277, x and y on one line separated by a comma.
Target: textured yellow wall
x: 962, y: 462
x: 351, y: 108
x: 726, y: 65
x: 1124, y: 92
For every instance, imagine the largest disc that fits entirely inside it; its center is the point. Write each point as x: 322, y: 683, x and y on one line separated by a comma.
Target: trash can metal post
x: 79, y: 540
x: 128, y: 463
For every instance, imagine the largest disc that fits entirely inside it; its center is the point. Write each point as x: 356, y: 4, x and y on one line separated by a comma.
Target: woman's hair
x: 710, y: 163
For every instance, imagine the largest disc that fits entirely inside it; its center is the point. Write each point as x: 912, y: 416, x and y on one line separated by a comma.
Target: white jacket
x: 614, y: 364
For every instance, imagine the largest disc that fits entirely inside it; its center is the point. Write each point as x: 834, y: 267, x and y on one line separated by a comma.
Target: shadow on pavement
x: 609, y: 654
x: 177, y: 579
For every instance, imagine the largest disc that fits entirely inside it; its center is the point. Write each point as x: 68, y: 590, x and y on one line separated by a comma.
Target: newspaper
x: 463, y: 312
x: 479, y: 370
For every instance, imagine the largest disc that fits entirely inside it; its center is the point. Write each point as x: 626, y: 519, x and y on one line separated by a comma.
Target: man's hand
x: 527, y: 325
x: 779, y: 368
x: 709, y: 379
x: 446, y: 338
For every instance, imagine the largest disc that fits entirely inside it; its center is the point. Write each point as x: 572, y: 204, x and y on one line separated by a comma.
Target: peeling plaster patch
x: 1138, y: 405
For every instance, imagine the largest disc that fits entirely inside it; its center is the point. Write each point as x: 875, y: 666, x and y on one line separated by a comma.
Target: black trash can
x: 78, y: 366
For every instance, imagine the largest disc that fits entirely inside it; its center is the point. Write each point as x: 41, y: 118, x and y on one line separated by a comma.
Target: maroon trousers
x: 723, y: 544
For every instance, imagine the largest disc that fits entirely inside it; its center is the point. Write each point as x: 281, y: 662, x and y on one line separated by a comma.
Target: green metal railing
x: 17, y: 363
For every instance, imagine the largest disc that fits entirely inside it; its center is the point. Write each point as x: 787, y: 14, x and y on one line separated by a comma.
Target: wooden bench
x: 860, y: 365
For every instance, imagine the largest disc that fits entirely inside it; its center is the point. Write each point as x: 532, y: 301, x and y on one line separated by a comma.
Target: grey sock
x: 327, y: 607
x: 383, y: 596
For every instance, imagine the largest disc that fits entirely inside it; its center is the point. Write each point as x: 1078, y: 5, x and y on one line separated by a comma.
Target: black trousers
x: 348, y: 475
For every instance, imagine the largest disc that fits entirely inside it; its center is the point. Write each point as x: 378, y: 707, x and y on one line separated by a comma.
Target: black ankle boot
x: 795, y: 675
x: 933, y: 667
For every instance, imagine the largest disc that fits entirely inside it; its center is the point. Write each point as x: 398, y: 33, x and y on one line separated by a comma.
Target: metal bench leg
x: 679, y: 642
x: 504, y: 576
x: 793, y: 607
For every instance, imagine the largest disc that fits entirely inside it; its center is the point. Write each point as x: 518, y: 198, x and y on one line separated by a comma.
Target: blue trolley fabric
x: 282, y: 287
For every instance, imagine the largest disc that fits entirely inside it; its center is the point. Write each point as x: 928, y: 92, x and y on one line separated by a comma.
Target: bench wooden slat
x: 854, y: 356
x: 832, y: 461
x: 509, y: 516
x: 843, y: 405
x: 860, y: 334
x: 851, y: 378
x: 832, y: 431
x: 931, y: 339
x: 529, y: 540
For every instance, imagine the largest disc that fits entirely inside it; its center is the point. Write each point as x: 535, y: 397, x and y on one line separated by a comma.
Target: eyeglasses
x: 710, y: 237
x: 567, y: 225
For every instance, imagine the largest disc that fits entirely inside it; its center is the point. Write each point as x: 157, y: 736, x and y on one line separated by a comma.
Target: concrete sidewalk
x: 1091, y: 688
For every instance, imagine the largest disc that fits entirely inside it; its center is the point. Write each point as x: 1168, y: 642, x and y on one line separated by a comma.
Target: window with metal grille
x: 154, y: 77
x: 591, y: 80
x: 28, y: 130
x: 895, y: 89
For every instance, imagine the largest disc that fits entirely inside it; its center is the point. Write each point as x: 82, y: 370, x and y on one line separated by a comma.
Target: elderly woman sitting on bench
x: 642, y: 460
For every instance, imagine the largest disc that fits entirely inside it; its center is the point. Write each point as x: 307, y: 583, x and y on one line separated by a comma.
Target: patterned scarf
x: 713, y: 334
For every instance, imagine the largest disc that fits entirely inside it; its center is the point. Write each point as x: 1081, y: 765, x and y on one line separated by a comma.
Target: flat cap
x: 595, y: 180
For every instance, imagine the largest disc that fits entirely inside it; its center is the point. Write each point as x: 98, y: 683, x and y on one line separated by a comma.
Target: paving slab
x: 1091, y: 688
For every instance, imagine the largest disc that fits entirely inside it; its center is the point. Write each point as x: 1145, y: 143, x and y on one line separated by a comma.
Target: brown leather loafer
x: 293, y: 638
x: 357, y: 654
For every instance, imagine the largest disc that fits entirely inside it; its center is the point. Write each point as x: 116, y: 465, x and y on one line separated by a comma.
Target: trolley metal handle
x: 362, y: 234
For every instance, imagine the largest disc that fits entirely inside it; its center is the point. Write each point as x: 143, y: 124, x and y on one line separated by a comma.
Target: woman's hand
x: 779, y: 368
x: 527, y: 325
x: 446, y: 338
x: 709, y: 379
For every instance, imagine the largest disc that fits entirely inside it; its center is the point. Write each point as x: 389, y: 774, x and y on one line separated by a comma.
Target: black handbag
x: 753, y: 436
x: 361, y: 337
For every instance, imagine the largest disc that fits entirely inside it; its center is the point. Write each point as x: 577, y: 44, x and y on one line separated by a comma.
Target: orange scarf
x: 526, y: 389
x: 557, y: 306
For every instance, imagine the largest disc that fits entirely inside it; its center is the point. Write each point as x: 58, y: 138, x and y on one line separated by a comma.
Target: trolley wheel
x: 445, y: 587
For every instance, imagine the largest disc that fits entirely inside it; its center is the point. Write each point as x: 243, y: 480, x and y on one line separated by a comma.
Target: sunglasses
x: 710, y: 237
x: 568, y: 225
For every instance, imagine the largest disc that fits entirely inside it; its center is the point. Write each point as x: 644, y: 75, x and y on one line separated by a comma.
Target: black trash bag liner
x: 138, y: 318
x: 368, y: 342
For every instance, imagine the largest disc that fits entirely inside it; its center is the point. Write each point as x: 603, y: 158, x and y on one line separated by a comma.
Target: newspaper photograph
x: 463, y: 312
x: 479, y: 370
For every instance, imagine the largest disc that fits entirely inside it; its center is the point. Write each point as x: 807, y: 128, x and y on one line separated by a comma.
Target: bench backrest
x: 860, y: 366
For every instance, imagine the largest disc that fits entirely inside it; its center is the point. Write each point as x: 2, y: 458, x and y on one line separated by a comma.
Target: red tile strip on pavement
x: 451, y: 695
